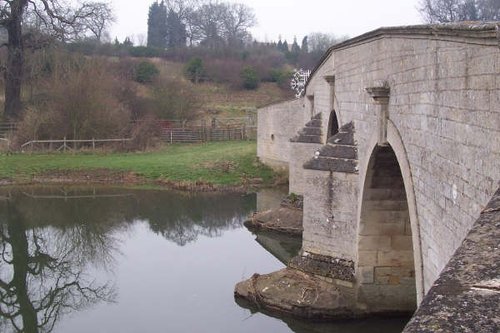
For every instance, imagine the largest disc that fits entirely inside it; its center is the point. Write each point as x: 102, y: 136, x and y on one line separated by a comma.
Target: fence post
x: 171, y: 137
x: 93, y: 143
x: 64, y: 144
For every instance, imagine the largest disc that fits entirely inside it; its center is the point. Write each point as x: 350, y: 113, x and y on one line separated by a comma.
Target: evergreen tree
x: 295, y: 46
x: 280, y: 45
x: 294, y: 53
x: 176, y: 31
x: 157, y: 25
x: 305, y: 45
x: 127, y: 42
x: 285, y: 47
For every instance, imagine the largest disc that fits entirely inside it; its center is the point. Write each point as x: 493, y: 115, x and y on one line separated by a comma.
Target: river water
x: 119, y: 260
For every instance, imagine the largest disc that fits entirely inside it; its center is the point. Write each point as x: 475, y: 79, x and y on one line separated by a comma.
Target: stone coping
x: 484, y: 32
x: 466, y: 296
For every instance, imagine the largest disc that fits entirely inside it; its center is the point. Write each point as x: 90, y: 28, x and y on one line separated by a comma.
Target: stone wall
x: 300, y: 153
x: 444, y: 120
x: 466, y: 296
x: 277, y: 124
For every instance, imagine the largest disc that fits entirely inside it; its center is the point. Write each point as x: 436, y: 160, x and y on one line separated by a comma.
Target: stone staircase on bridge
x: 311, y: 133
x: 340, y: 154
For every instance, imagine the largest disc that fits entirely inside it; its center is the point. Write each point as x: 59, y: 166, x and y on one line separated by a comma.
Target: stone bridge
x: 395, y: 148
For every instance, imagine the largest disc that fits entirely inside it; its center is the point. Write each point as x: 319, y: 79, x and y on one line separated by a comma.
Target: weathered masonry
x: 396, y: 149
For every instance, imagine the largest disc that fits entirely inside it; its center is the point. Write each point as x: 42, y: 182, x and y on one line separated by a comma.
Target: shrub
x: 174, y: 99
x: 194, y: 70
x: 145, y: 133
x: 225, y: 71
x: 80, y: 103
x: 250, y: 78
x: 281, y: 77
x: 145, y: 72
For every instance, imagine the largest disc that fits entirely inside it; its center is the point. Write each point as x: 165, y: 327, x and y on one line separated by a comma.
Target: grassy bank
x: 227, y: 163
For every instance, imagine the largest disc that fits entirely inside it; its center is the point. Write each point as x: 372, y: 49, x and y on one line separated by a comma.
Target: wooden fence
x: 218, y: 129
x: 65, y: 144
x: 192, y: 134
x: 6, y: 127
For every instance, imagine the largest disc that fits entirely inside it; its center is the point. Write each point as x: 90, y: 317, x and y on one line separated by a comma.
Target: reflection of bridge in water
x: 283, y: 247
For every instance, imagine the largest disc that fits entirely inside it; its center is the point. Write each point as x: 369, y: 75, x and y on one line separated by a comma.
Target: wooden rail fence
x: 6, y: 127
x: 195, y: 134
x: 219, y: 129
x: 66, y: 144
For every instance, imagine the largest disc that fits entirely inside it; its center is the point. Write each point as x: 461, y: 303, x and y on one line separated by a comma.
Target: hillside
x: 218, y: 99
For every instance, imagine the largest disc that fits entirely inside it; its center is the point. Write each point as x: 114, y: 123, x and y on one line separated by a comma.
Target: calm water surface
x: 119, y: 260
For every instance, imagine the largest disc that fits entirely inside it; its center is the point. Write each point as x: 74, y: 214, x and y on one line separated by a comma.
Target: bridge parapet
x: 466, y: 296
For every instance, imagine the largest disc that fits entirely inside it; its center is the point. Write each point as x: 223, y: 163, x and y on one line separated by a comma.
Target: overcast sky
x: 288, y: 18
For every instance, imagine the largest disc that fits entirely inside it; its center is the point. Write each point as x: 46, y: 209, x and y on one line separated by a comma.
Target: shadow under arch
x: 333, y: 124
x: 395, y: 156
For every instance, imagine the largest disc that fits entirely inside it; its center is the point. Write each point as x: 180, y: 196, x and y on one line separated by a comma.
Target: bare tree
x: 238, y: 19
x: 99, y: 22
x: 185, y: 10
x: 55, y: 18
x: 443, y: 11
x: 208, y: 22
x: 220, y: 23
x: 319, y: 42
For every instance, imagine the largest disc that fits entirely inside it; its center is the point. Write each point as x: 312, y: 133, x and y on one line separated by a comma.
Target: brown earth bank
x: 126, y: 178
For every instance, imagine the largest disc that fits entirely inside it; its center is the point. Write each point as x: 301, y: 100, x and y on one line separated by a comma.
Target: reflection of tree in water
x: 43, y: 271
x: 49, y: 239
x: 178, y: 216
x: 182, y: 217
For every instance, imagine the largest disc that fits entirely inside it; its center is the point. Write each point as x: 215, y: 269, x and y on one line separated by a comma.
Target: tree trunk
x: 15, y: 60
x: 20, y: 262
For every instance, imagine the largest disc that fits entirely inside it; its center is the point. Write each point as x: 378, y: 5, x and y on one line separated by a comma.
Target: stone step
x: 342, y: 138
x: 332, y: 164
x: 314, y: 123
x: 306, y: 139
x: 311, y: 131
x: 349, y: 152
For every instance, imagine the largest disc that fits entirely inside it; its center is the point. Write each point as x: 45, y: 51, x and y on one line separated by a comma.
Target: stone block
x: 395, y: 258
x: 366, y: 274
x: 374, y: 242
x: 367, y: 258
x: 401, y: 243
x: 378, y: 229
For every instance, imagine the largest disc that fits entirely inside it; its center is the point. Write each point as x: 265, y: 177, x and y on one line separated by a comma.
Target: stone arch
x: 395, y: 158
x: 333, y: 125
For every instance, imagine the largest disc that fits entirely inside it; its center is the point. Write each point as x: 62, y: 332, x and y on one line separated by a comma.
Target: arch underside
x: 386, y: 269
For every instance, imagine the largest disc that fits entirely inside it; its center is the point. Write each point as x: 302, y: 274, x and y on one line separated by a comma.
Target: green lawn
x: 227, y: 163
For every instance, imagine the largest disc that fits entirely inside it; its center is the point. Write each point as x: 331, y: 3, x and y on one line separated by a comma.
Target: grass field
x: 227, y: 163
